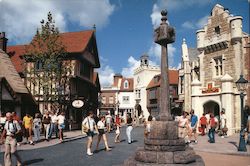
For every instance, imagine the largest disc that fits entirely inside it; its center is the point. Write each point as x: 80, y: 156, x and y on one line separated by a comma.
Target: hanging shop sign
x: 77, y: 103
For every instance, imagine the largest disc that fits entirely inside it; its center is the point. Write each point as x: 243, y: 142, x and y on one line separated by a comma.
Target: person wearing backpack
x: 89, y: 126
x: 213, y: 124
x: 11, y: 130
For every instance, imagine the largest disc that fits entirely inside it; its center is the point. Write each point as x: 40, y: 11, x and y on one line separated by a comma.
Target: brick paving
x: 227, y: 145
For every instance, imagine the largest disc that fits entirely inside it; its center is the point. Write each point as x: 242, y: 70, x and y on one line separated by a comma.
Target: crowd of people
x: 104, y: 124
x: 13, y: 130
x: 208, y: 123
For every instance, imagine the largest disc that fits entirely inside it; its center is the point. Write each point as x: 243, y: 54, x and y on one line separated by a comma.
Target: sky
x: 124, y: 28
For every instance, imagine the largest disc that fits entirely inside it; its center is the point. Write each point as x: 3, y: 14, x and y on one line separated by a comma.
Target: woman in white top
x: 101, y: 130
x: 90, y: 124
x: 61, y: 125
x: 183, y: 125
x: 148, y: 126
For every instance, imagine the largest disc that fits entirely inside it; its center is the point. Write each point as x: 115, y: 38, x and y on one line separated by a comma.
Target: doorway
x: 213, y: 107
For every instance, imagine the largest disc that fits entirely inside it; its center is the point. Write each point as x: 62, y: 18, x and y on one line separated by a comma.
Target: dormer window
x: 217, y: 30
x: 126, y: 84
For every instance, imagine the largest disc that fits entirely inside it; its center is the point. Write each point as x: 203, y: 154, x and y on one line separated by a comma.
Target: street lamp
x: 117, y: 108
x: 241, y: 85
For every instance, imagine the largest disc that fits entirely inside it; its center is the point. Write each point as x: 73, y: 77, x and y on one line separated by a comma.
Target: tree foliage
x: 50, y: 72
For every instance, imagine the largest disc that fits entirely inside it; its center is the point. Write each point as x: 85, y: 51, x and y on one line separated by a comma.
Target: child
x: 117, y: 132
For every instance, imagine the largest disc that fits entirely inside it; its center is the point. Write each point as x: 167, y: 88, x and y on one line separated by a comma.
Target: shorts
x: 101, y: 131
x: 90, y: 134
x: 61, y: 126
x: 117, y: 132
x: 194, y: 130
x: 27, y: 132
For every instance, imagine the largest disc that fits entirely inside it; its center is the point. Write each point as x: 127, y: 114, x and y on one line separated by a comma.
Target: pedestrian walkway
x: 68, y: 136
x: 227, y: 145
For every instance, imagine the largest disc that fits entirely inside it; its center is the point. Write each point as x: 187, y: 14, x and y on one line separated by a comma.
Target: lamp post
x: 241, y: 85
x: 117, y: 108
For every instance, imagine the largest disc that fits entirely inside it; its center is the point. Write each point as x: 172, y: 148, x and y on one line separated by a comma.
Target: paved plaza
x: 72, y: 152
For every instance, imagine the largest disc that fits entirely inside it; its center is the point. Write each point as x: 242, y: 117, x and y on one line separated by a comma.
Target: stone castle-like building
x: 209, y: 72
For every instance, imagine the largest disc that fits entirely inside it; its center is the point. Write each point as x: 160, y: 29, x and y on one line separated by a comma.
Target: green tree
x: 50, y: 71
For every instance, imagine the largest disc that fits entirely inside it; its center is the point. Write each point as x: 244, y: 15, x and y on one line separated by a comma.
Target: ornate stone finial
x: 94, y: 27
x: 183, y: 41
x: 164, y: 15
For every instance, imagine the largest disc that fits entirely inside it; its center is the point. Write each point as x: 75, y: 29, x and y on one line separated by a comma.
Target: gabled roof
x: 75, y: 42
x: 130, y: 85
x: 9, y: 72
x: 96, y: 81
x: 15, y: 53
x: 9, y: 88
x: 156, y: 80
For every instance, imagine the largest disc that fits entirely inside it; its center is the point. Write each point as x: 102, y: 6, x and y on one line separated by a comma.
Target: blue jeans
x: 53, y: 128
x: 211, y: 135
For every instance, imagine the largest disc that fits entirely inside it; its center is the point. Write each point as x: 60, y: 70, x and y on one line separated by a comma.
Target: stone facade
x: 222, y: 57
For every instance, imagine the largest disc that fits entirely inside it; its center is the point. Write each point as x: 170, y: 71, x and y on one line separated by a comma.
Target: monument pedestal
x: 163, y: 147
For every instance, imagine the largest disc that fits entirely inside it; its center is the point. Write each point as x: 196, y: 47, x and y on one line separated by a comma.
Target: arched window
x: 125, y: 84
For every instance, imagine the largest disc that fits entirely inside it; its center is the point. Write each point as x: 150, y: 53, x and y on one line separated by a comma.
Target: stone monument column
x: 162, y: 146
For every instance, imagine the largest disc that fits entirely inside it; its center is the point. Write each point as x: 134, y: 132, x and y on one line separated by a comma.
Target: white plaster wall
x: 146, y: 74
x: 127, y: 105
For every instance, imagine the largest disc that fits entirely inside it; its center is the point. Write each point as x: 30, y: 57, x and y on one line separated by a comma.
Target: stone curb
x: 225, y: 153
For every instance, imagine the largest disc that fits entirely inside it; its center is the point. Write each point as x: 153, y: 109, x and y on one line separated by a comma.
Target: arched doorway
x: 212, y: 107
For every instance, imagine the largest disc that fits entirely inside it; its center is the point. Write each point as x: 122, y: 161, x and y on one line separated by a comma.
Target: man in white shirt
x: 108, y: 121
x: 11, y: 129
x: 89, y: 123
x: 208, y: 120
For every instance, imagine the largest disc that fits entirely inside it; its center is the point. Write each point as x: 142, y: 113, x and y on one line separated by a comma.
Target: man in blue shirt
x: 193, y: 125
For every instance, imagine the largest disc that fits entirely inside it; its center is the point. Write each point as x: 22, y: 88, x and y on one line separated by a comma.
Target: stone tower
x: 144, y: 60
x: 187, y: 77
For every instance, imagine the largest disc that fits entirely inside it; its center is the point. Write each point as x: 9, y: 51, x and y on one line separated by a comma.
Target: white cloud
x: 194, y: 24
x: 188, y: 24
x: 19, y: 19
x: 106, y: 74
x: 156, y: 16
x: 132, y: 65
x: 155, y: 53
x: 202, y: 21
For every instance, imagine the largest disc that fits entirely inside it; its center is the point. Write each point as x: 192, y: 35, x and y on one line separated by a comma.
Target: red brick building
x: 153, y: 92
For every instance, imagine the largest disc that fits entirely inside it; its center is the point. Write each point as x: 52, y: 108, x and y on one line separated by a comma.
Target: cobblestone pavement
x: 73, y: 152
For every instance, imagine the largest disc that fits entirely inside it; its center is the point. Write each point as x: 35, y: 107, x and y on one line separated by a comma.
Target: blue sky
x: 124, y: 27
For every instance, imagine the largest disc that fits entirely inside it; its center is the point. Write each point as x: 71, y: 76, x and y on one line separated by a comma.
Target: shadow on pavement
x: 123, y: 140
x: 134, y: 141
x: 233, y: 143
x: 29, y: 162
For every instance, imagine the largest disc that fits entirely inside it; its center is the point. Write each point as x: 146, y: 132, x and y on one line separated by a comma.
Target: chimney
x: 116, y: 79
x: 3, y: 41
